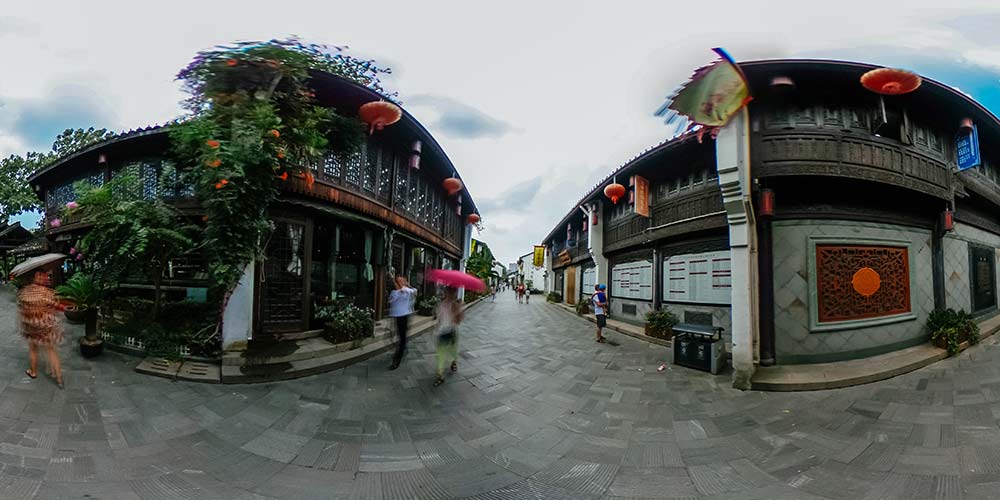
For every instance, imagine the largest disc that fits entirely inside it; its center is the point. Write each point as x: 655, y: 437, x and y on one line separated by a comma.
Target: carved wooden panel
x: 857, y: 282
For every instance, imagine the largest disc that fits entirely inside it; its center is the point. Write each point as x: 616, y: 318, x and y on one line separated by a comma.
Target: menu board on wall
x: 633, y: 280
x: 702, y: 277
x: 589, y: 280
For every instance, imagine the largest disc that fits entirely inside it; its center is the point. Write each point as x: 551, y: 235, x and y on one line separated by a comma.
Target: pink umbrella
x: 456, y: 279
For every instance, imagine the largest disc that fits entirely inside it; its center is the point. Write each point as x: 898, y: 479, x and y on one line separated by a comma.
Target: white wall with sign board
x: 588, y: 281
x: 633, y: 280
x: 701, y: 278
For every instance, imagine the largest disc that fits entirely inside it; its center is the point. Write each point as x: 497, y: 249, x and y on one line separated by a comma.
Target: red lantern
x: 452, y: 185
x: 614, y: 191
x: 890, y: 81
x: 593, y: 217
x: 473, y: 218
x: 965, y: 126
x: 948, y: 220
x: 766, y: 202
x: 378, y: 114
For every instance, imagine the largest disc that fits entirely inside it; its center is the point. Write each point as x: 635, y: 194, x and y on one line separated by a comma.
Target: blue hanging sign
x: 967, y: 146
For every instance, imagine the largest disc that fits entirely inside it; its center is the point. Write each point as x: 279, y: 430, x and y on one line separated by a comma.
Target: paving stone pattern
x: 537, y: 410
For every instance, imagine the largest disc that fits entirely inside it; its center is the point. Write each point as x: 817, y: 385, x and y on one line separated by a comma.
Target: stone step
x: 304, y: 367
x: 292, y: 350
x: 305, y: 357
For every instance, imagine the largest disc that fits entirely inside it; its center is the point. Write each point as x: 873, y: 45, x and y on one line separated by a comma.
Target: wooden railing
x: 833, y: 153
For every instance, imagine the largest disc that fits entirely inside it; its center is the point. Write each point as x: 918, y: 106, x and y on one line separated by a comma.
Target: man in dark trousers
x: 600, y: 302
x: 401, y: 307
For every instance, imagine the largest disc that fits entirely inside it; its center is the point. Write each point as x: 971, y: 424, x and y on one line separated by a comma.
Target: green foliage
x: 81, y: 290
x: 951, y: 328
x: 426, y: 306
x: 73, y: 140
x: 183, y: 323
x: 350, y: 322
x: 554, y: 297
x: 660, y: 323
x: 583, y: 307
x: 16, y: 195
x: 254, y: 117
x: 130, y: 235
x: 480, y: 265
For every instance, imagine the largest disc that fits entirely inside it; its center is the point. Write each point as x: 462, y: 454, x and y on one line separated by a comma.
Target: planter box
x: 669, y: 334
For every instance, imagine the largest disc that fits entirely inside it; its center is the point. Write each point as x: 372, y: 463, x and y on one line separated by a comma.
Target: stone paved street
x: 537, y: 410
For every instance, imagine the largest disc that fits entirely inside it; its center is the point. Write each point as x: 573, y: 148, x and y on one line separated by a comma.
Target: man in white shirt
x: 401, y: 307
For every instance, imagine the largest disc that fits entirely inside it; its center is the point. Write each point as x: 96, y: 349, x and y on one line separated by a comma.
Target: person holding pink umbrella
x: 449, y: 314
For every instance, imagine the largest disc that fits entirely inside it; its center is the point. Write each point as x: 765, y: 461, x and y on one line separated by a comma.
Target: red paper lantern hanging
x: 452, y: 185
x: 767, y: 202
x: 473, y: 218
x: 890, y: 81
x: 614, y: 191
x: 378, y: 114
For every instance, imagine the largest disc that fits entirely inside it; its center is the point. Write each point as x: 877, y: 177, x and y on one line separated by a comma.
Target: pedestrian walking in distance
x: 527, y: 295
x: 401, y: 307
x: 37, y: 307
x: 449, y: 313
x: 600, y: 302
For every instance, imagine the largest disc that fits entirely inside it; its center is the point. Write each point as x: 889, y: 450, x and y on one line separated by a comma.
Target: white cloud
x: 577, y: 81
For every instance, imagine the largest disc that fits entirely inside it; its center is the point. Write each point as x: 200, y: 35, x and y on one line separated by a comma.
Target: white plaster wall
x: 237, y: 318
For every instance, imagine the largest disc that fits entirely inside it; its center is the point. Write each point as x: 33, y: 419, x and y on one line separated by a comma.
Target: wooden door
x: 283, y: 279
x: 570, y: 286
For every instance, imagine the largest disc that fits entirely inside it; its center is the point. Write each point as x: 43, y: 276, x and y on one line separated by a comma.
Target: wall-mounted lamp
x: 782, y: 84
x: 965, y: 126
x: 767, y: 202
x: 947, y: 220
x: 415, y: 149
x: 102, y: 159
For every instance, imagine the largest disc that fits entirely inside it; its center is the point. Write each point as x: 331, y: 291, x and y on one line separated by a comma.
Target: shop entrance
x: 281, y: 278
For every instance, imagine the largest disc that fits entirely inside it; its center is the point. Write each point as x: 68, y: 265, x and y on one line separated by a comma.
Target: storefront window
x: 340, y: 259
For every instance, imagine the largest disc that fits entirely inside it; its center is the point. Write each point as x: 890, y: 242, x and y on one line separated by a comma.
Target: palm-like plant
x: 81, y: 290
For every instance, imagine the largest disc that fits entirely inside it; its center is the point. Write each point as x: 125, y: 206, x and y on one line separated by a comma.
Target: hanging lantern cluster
x: 452, y: 185
x: 615, y: 192
x: 379, y: 114
x: 891, y: 81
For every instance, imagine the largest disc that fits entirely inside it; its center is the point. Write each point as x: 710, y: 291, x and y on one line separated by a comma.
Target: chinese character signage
x: 641, y: 196
x: 538, y: 259
x: 967, y: 146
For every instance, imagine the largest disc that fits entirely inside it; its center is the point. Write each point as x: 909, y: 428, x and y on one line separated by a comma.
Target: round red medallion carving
x: 866, y: 281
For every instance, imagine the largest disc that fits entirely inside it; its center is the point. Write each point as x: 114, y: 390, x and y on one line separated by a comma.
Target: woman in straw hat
x: 37, y: 308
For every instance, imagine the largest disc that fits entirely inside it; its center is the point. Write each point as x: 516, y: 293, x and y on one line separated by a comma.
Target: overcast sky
x: 533, y: 101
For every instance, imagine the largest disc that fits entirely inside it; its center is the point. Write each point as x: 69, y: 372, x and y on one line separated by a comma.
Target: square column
x: 732, y: 152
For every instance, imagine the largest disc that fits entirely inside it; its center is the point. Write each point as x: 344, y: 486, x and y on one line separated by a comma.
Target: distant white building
x: 529, y: 273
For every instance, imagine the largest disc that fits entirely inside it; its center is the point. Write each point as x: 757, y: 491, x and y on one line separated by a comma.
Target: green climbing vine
x: 254, y: 121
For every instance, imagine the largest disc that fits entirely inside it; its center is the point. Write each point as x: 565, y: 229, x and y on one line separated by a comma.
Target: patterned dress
x: 37, y: 307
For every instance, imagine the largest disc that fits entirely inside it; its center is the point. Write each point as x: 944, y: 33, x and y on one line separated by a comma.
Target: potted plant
x: 81, y: 293
x: 949, y: 328
x: 660, y: 324
x: 583, y: 307
x: 349, y: 323
x: 555, y: 297
x: 427, y: 306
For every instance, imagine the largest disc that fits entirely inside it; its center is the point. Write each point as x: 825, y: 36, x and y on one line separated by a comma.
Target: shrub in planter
x: 583, y: 307
x: 426, y: 306
x: 660, y: 324
x: 349, y: 323
x: 949, y: 328
x: 554, y: 297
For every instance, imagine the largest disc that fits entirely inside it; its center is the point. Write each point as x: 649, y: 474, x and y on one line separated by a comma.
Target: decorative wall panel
x: 858, y: 282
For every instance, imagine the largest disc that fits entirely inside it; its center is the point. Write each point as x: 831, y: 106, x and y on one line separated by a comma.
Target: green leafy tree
x: 16, y: 195
x: 73, y: 140
x: 254, y: 122
x: 131, y: 236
